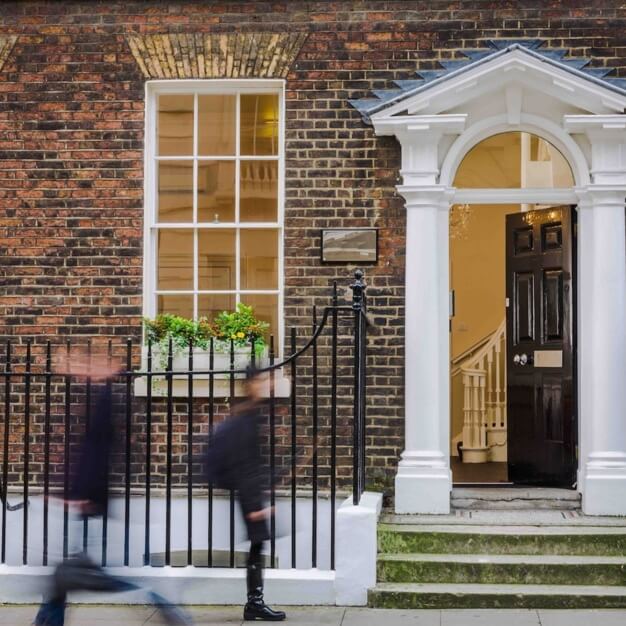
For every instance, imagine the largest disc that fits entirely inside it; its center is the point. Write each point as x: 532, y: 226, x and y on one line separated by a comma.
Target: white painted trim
x: 185, y: 585
x: 202, y: 87
x: 356, y: 555
x: 542, y: 127
x: 519, y: 65
x: 514, y: 196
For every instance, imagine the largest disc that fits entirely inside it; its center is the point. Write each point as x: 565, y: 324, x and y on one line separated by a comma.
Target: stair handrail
x: 473, y: 359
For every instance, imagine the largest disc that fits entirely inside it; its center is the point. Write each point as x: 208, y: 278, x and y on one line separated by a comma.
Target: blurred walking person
x: 234, y: 461
x: 88, y: 497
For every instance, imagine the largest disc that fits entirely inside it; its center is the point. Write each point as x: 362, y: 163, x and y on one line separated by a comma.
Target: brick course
x: 71, y: 150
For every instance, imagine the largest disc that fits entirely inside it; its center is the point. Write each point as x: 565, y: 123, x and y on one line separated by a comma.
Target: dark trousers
x: 79, y: 573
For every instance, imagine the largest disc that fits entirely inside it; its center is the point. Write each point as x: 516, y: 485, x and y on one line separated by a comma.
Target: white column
x: 602, y: 380
x: 423, y: 481
x: 602, y: 321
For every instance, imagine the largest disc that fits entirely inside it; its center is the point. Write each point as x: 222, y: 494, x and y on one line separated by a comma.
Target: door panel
x: 540, y: 249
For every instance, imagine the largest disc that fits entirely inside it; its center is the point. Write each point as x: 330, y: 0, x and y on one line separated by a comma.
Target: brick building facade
x: 72, y: 130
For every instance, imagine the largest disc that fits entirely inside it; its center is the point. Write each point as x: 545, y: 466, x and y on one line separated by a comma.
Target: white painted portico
x: 436, y: 124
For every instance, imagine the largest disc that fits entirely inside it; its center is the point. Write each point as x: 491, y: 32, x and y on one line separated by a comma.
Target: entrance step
x: 490, y: 565
x: 492, y: 596
x: 514, y: 498
x: 504, y: 569
x: 456, y: 539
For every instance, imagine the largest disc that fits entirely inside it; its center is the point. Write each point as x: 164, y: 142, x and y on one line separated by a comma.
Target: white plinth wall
x: 435, y: 130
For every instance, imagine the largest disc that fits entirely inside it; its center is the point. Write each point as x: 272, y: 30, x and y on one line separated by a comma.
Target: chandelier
x: 459, y: 219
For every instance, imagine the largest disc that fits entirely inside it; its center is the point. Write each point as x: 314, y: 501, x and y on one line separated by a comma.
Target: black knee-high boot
x: 255, y: 607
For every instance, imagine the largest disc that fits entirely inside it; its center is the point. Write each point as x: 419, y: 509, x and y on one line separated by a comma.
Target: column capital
x: 426, y: 196
x: 419, y: 137
x: 607, y: 136
x: 595, y: 196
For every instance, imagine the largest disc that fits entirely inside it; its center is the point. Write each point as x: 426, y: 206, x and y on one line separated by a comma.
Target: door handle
x: 522, y: 359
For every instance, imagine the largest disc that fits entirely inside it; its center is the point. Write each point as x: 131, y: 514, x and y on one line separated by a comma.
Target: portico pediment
x: 507, y: 73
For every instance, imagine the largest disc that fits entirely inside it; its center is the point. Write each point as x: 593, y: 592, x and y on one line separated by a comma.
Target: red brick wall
x: 71, y: 141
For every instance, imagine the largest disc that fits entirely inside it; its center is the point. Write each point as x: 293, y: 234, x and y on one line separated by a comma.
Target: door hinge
x: 452, y: 303
x: 507, y: 303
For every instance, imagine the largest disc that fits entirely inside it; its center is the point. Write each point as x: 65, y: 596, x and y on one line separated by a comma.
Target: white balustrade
x: 484, y: 400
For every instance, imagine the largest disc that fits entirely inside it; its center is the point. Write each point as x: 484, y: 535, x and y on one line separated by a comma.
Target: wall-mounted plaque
x: 349, y: 245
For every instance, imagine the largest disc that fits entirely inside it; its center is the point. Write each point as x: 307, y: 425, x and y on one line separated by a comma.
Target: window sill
x: 221, y: 387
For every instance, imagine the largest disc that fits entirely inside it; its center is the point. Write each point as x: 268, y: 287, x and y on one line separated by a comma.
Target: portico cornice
x: 445, y: 123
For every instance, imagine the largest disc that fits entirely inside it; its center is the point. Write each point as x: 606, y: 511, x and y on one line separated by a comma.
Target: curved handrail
x: 473, y: 359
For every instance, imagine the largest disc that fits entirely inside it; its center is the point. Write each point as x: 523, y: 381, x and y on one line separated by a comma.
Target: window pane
x: 216, y: 125
x: 265, y: 308
x: 259, y: 124
x: 216, y: 191
x: 175, y: 126
x: 175, y: 305
x: 259, y: 259
x: 211, y: 305
x: 216, y: 259
x: 175, y: 197
x: 175, y: 254
x: 514, y: 160
x: 258, y: 200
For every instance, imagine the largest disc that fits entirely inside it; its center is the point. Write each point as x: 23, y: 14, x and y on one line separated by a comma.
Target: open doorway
x: 512, y: 356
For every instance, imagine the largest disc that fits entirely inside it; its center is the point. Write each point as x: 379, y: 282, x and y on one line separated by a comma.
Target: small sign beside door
x: 548, y: 358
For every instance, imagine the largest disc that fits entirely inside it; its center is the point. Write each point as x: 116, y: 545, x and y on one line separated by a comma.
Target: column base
x: 423, y: 484
x: 604, y: 490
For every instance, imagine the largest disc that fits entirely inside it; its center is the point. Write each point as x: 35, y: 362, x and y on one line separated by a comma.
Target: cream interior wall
x: 477, y: 276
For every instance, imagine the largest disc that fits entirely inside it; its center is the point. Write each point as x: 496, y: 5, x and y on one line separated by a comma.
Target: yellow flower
x: 233, y: 336
x: 240, y: 335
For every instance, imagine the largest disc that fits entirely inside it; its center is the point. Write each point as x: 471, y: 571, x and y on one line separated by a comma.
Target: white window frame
x: 151, y: 225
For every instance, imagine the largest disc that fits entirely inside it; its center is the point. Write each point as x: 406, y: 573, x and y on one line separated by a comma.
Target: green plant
x: 242, y: 327
x: 180, y: 330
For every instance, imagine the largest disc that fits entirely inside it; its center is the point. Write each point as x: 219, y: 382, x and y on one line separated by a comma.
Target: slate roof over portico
x: 577, y: 66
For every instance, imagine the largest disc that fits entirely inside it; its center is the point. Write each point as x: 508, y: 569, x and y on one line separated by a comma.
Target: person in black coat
x: 235, y: 462
x: 88, y: 496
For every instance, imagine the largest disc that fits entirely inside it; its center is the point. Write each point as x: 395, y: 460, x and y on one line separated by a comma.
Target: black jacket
x: 89, y: 479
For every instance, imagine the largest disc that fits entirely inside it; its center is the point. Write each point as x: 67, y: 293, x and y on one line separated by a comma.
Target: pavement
x: 326, y: 616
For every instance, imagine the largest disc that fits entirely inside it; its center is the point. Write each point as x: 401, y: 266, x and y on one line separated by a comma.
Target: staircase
x: 481, y: 558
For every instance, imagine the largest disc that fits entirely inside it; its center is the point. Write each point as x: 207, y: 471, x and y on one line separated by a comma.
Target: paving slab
x: 582, y: 618
x: 490, y: 617
x: 390, y: 617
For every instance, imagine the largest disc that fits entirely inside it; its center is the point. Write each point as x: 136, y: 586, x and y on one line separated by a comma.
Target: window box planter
x: 202, y: 360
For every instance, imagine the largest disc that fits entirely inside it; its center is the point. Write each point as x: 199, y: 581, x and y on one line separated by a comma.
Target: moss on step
x: 394, y: 540
x: 458, y: 600
x: 424, y: 571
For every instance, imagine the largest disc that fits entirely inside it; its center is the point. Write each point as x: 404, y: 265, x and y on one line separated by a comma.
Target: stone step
x: 514, y: 498
x: 468, y: 596
x: 456, y: 539
x: 503, y: 569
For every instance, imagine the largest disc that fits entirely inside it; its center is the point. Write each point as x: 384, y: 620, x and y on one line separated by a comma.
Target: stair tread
x: 515, y: 493
x: 483, y: 529
x: 519, y: 518
x: 504, y: 559
x: 495, y: 589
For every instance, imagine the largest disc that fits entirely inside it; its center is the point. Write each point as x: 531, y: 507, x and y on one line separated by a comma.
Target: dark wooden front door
x: 541, y: 323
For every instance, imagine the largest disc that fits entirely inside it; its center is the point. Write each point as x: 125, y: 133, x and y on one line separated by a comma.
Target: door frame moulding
x: 433, y: 144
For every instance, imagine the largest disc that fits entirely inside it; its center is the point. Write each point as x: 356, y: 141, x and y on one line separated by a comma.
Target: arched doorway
x: 512, y: 285
x: 436, y: 122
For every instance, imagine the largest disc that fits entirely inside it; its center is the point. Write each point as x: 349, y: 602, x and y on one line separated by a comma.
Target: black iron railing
x: 309, y: 435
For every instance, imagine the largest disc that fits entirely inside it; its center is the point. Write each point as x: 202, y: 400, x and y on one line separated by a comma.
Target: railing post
x: 359, y: 307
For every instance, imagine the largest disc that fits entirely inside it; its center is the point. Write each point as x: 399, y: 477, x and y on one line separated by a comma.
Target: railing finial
x: 358, y: 291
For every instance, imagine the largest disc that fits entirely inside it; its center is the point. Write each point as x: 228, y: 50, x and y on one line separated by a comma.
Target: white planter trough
x: 202, y: 360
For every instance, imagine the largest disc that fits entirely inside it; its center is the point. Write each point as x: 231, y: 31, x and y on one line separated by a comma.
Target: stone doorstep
x: 459, y: 596
x: 521, y: 519
x: 514, y: 498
